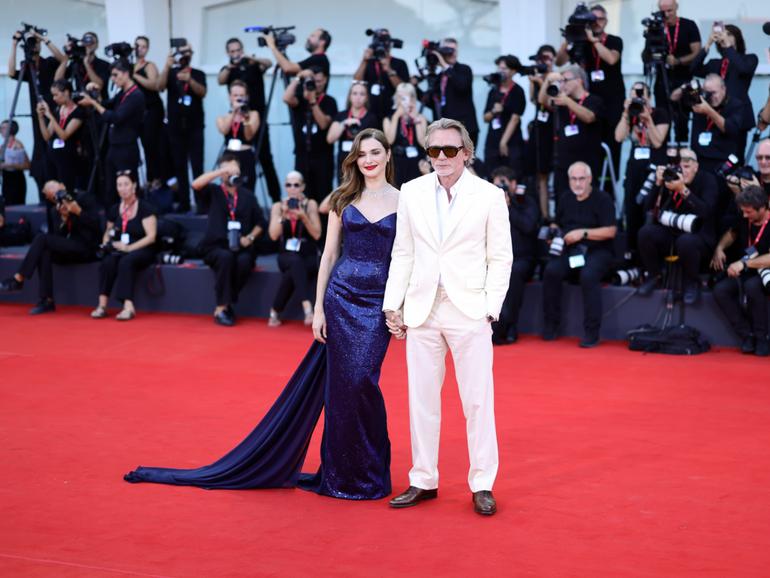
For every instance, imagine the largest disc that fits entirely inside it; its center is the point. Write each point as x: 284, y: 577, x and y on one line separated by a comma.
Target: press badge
x: 185, y: 100
x: 234, y: 144
x: 577, y: 261
x: 125, y: 238
x: 293, y: 244
x: 233, y: 225
x: 58, y: 143
x: 376, y: 89
x: 542, y: 116
x: 642, y: 153
x: 597, y: 75
x: 347, y: 146
x: 314, y: 130
x: 704, y: 139
x: 497, y: 123
x: 411, y: 152
x: 571, y: 130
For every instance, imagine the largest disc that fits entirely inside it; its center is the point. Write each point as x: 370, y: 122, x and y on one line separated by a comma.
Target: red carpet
x: 613, y: 463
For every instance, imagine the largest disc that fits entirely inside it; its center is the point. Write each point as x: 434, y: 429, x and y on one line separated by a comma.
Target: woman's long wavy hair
x: 352, y: 182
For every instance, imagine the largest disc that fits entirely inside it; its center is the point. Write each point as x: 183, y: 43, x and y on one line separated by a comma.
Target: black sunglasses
x: 293, y: 185
x: 450, y: 152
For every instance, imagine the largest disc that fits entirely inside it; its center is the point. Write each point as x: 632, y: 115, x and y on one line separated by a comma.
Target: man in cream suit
x: 449, y: 273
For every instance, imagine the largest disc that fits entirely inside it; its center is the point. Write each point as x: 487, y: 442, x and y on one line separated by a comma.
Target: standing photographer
x: 234, y: 223
x: 251, y: 71
x: 405, y: 131
x: 647, y: 128
x: 505, y: 105
x: 184, y: 105
x: 683, y: 222
x: 381, y: 72
x: 313, y: 112
x: 349, y: 122
x: 541, y: 135
x: 13, y: 162
x: 83, y: 66
x: 239, y: 127
x: 316, y: 44
x: 578, y: 122
x: 146, y: 77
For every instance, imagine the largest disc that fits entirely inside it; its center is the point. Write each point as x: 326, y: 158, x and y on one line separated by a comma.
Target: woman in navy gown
x: 341, y: 371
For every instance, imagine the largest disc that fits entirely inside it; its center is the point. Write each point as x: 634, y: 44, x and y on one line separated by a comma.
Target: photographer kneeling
x: 234, y: 223
x: 129, y: 247
x: 581, y: 243
x: 73, y: 238
x: 745, y: 276
x: 682, y: 213
x: 296, y: 224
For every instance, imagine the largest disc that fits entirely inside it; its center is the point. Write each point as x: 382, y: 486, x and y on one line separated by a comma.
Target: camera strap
x: 232, y: 202
x: 723, y: 68
x: 672, y: 46
x: 124, y: 215
x: 407, y: 129
x: 759, y: 234
x: 236, y: 125
x: 603, y: 40
x: 63, y: 117
x: 573, y: 115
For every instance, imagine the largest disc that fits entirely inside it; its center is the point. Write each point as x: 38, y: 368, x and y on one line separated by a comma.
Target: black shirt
x: 247, y: 213
x: 71, y: 144
x: 381, y: 89
x: 656, y: 156
x: 738, y: 74
x: 83, y: 228
x: 720, y: 144
x: 524, y: 217
x: 454, y: 96
x: 102, y: 70
x: 152, y: 99
x: 134, y: 226
x: 606, y: 80
x: 746, y: 234
x: 514, y: 102
x: 316, y: 61
x: 367, y: 121
x: 250, y: 72
x: 687, y: 34
x: 125, y: 114
x: 586, y: 145
x: 595, y: 211
x: 308, y: 136
x: 185, y: 108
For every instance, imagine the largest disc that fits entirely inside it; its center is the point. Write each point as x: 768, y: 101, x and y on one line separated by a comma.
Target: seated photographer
x: 349, y: 122
x: 382, y: 73
x: 129, y: 247
x: 743, y: 277
x: 234, y: 223
x: 581, y: 245
x: 317, y: 44
x: 239, y: 127
x: 73, y: 238
x: 740, y: 177
x: 681, y: 209
x: 295, y: 223
x: 647, y: 128
x: 405, y: 130
x: 505, y: 105
x: 579, y: 122
x: 541, y: 137
x: 13, y: 162
x: 524, y: 216
x: 313, y: 111
x: 61, y: 130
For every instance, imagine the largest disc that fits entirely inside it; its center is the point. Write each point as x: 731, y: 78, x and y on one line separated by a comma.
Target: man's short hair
x: 503, y: 171
x: 577, y: 164
x: 317, y: 69
x: 578, y: 72
x: 450, y: 123
x: 228, y: 157
x: 688, y: 153
x: 763, y: 142
x: 752, y: 196
x: 599, y: 8
x: 327, y: 38
x: 233, y: 40
x: 296, y: 174
x: 512, y: 62
x: 715, y: 77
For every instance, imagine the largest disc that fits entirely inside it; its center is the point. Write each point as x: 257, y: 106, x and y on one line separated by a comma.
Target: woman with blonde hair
x: 405, y: 130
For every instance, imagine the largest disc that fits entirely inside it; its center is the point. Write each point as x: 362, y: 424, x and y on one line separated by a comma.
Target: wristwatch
x: 251, y: 238
x: 585, y: 234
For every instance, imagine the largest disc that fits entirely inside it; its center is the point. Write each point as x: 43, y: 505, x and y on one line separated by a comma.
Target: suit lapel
x: 463, y: 204
x: 427, y: 202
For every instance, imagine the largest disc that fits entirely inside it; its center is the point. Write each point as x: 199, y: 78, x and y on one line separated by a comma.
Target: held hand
x: 718, y: 260
x: 735, y: 269
x: 671, y: 60
x: 319, y: 326
x: 574, y: 236
x: 395, y: 324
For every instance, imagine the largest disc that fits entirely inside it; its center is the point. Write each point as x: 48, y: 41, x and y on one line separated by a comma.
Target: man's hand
x: 671, y: 60
x: 702, y: 107
x: 718, y: 260
x: 183, y: 75
x: 574, y: 236
x: 561, y: 99
x: 73, y: 207
x: 246, y: 242
x: 676, y: 185
x: 503, y: 149
x: 735, y: 269
x: 395, y: 324
x: 270, y: 42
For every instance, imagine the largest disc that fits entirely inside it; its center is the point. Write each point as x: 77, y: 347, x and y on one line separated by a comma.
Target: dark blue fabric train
x: 341, y: 377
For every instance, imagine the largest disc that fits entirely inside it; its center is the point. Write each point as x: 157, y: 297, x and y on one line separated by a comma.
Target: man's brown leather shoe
x: 412, y: 496
x: 484, y: 503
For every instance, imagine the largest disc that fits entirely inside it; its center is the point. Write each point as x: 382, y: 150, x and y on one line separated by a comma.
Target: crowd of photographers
x: 689, y: 193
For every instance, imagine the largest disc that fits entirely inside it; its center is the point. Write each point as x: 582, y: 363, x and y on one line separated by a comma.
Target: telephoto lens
x: 626, y: 276
x: 557, y: 247
x: 764, y: 275
x: 684, y: 222
x: 647, y: 186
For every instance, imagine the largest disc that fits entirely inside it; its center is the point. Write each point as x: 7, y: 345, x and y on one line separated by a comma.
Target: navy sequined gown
x: 341, y: 377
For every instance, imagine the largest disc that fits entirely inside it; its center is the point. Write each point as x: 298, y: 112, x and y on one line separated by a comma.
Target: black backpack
x: 675, y: 340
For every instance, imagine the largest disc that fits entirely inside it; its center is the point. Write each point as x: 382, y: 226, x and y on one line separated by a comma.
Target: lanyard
x: 723, y: 68
x: 63, y: 119
x: 231, y: 206
x: 603, y: 40
x: 125, y: 95
x: 235, y: 126
x: 507, y: 93
x: 124, y: 215
x: 709, y: 124
x: 672, y: 47
x: 759, y: 235
x: 407, y: 130
x: 378, y: 71
x: 573, y: 115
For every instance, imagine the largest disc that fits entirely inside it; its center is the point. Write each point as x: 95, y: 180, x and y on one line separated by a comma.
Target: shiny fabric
x: 342, y: 377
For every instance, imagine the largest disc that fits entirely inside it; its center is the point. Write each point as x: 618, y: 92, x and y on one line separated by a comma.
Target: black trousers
x: 120, y: 157
x: 186, y: 147
x: 268, y: 166
x: 231, y: 272
x: 597, y: 265
x: 119, y: 270
x: 151, y: 142
x: 521, y: 273
x: 318, y: 171
x: 753, y: 320
x: 47, y: 249
x: 655, y: 243
x: 297, y: 272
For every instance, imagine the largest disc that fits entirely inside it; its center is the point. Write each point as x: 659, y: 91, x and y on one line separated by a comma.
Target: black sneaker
x: 762, y: 348
x: 589, y: 340
x: 691, y: 292
x: 11, y: 284
x: 747, y: 345
x: 223, y: 318
x: 43, y: 306
x: 646, y: 288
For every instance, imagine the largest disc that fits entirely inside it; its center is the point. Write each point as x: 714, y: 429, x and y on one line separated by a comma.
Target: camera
x: 283, y: 37
x: 637, y: 104
x: 27, y: 35
x: 553, y: 234
x: 62, y: 196
x: 293, y: 203
x: 686, y: 222
x: 76, y: 48
x: 494, y: 79
x: 181, y: 58
x: 672, y: 173
x: 309, y: 84
x: 234, y: 180
x: 119, y: 51
x: 626, y: 276
x: 656, y: 42
x: 537, y: 68
x: 429, y: 47
x: 731, y: 168
x: 692, y: 93
x: 177, y: 43
x: 78, y: 95
x: 553, y: 89
x: 169, y: 258
x: 647, y: 186
x: 243, y: 105
x: 575, y: 33
x: 382, y: 42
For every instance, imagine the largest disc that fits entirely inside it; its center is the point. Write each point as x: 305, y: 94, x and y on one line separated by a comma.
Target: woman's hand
x: 119, y: 246
x: 319, y: 326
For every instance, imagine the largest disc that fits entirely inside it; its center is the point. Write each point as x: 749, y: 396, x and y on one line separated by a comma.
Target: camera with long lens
x: 555, y: 236
x: 63, y: 196
x: 647, y: 186
x: 731, y: 168
x: 170, y: 258
x: 77, y: 48
x: 685, y: 222
x: 309, y: 84
x: 764, y: 275
x: 429, y: 47
x: 537, y: 68
x: 656, y: 42
x: 692, y: 93
x: 637, y: 104
x: 27, y: 35
x: 493, y: 79
x: 553, y: 89
x: 382, y: 42
x: 119, y: 51
x: 78, y: 95
x: 574, y: 33
x: 283, y: 37
x: 626, y: 276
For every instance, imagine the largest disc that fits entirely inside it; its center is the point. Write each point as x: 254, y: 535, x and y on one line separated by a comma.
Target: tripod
x: 652, y: 70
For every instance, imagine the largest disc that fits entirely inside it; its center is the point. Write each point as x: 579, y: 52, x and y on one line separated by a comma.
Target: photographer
x: 73, y: 238
x: 541, y: 136
x: 251, y: 71
x: 184, y: 106
x: 13, y: 162
x: 381, y: 72
x: 406, y: 130
x: 295, y: 223
x: 684, y: 199
x: 578, y: 121
x: 239, y: 127
x: 124, y: 115
x: 584, y: 227
x: 146, y: 77
x: 647, y: 128
x: 83, y: 67
x: 349, y: 122
x: 234, y: 223
x: 452, y: 96
x: 45, y: 71
x: 129, y: 245
x: 61, y: 130
x: 316, y: 44
x: 313, y: 112
x: 505, y: 105
x: 742, y: 280
x: 524, y: 215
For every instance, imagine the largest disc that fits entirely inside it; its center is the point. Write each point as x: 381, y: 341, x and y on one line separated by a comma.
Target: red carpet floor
x: 613, y: 463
